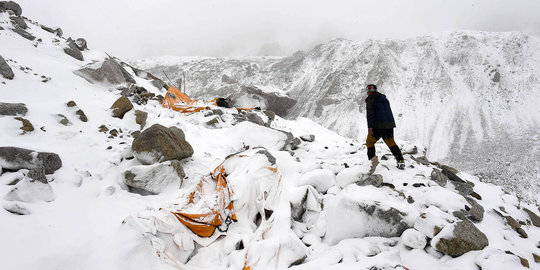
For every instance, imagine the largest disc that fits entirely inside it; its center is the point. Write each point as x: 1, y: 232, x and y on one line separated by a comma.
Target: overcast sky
x: 137, y: 28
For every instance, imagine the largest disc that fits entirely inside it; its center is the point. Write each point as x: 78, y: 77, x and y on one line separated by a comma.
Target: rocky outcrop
x: 460, y: 238
x: 108, y: 71
x: 10, y: 5
x: 14, y: 158
x: 57, y: 31
x: 73, y: 51
x: 279, y: 104
x: 23, y: 33
x: 158, y: 143
x: 19, y: 22
x: 13, y: 109
x: 156, y: 178
x: 5, y: 70
x: 121, y: 106
x: 81, y: 44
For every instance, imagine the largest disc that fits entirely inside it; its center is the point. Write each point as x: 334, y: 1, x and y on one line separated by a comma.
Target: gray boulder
x: 5, y: 70
x: 373, y: 180
x: 308, y: 138
x: 23, y: 33
x: 439, y: 177
x: 476, y: 211
x: 154, y: 179
x: 19, y: 22
x: 121, y: 106
x: 535, y: 219
x: 81, y: 44
x: 73, y: 51
x: 13, y: 109
x: 10, y: 5
x: 57, y: 31
x: 255, y: 118
x: 14, y: 158
x: 158, y: 143
x: 108, y: 71
x: 460, y: 238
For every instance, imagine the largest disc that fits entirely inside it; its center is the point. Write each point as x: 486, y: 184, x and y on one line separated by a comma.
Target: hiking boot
x: 374, y: 163
x: 401, y: 164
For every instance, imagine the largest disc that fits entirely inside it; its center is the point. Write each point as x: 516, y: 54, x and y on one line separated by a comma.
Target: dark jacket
x: 378, y: 112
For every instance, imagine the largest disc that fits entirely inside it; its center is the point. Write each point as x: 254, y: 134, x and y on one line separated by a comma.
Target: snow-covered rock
x: 321, y: 179
x: 29, y: 190
x: 155, y: 178
x: 413, y: 239
x: 107, y: 71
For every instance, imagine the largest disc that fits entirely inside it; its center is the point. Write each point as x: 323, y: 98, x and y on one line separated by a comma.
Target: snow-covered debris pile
x: 221, y: 188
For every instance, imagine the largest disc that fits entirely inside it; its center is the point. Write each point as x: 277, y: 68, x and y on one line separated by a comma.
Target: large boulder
x: 459, y: 238
x: 108, y: 71
x: 14, y: 158
x: 10, y: 5
x: 5, y: 70
x: 158, y: 143
x: 13, y: 109
x: 140, y: 118
x: 156, y: 178
x: 57, y: 31
x: 121, y: 106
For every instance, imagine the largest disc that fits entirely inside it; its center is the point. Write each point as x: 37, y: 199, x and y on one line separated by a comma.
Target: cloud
x: 136, y: 28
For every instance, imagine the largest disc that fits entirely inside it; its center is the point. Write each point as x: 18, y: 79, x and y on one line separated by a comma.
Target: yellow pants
x: 370, y: 141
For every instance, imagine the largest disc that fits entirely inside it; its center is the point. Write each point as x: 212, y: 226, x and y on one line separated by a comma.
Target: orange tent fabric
x: 221, y: 214
x: 180, y: 102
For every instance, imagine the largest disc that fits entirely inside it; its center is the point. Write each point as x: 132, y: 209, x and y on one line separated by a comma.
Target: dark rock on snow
x: 57, y: 31
x: 13, y: 109
x: 465, y: 237
x: 534, y: 218
x: 140, y: 118
x: 121, y: 106
x: 5, y: 70
x: 82, y: 115
x: 26, y: 125
x: 14, y: 158
x: 439, y: 177
x: 73, y: 51
x: 23, y: 33
x: 308, y: 138
x: 158, y: 143
x: 108, y: 71
x: 81, y: 44
x: 10, y: 5
x: 19, y: 22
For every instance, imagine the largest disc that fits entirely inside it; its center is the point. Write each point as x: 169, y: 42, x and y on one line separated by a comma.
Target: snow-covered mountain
x: 94, y: 172
x: 470, y: 97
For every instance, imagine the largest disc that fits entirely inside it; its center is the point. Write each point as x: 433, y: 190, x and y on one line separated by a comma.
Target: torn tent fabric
x: 213, y: 186
x: 180, y: 102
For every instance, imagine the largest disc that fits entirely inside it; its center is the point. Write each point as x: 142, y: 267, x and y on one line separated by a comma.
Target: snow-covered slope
x: 470, y: 97
x: 308, y: 203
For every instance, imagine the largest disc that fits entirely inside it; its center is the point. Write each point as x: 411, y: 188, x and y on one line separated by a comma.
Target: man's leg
x: 370, y: 143
x: 388, y: 138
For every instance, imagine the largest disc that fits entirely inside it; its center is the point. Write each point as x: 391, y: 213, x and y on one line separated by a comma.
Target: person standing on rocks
x: 381, y: 124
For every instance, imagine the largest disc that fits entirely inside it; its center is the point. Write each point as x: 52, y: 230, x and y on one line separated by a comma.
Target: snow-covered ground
x: 318, y: 207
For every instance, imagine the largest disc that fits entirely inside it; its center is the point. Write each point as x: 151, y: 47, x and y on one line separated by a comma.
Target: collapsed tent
x: 214, y: 190
x: 180, y: 102
x: 247, y: 188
